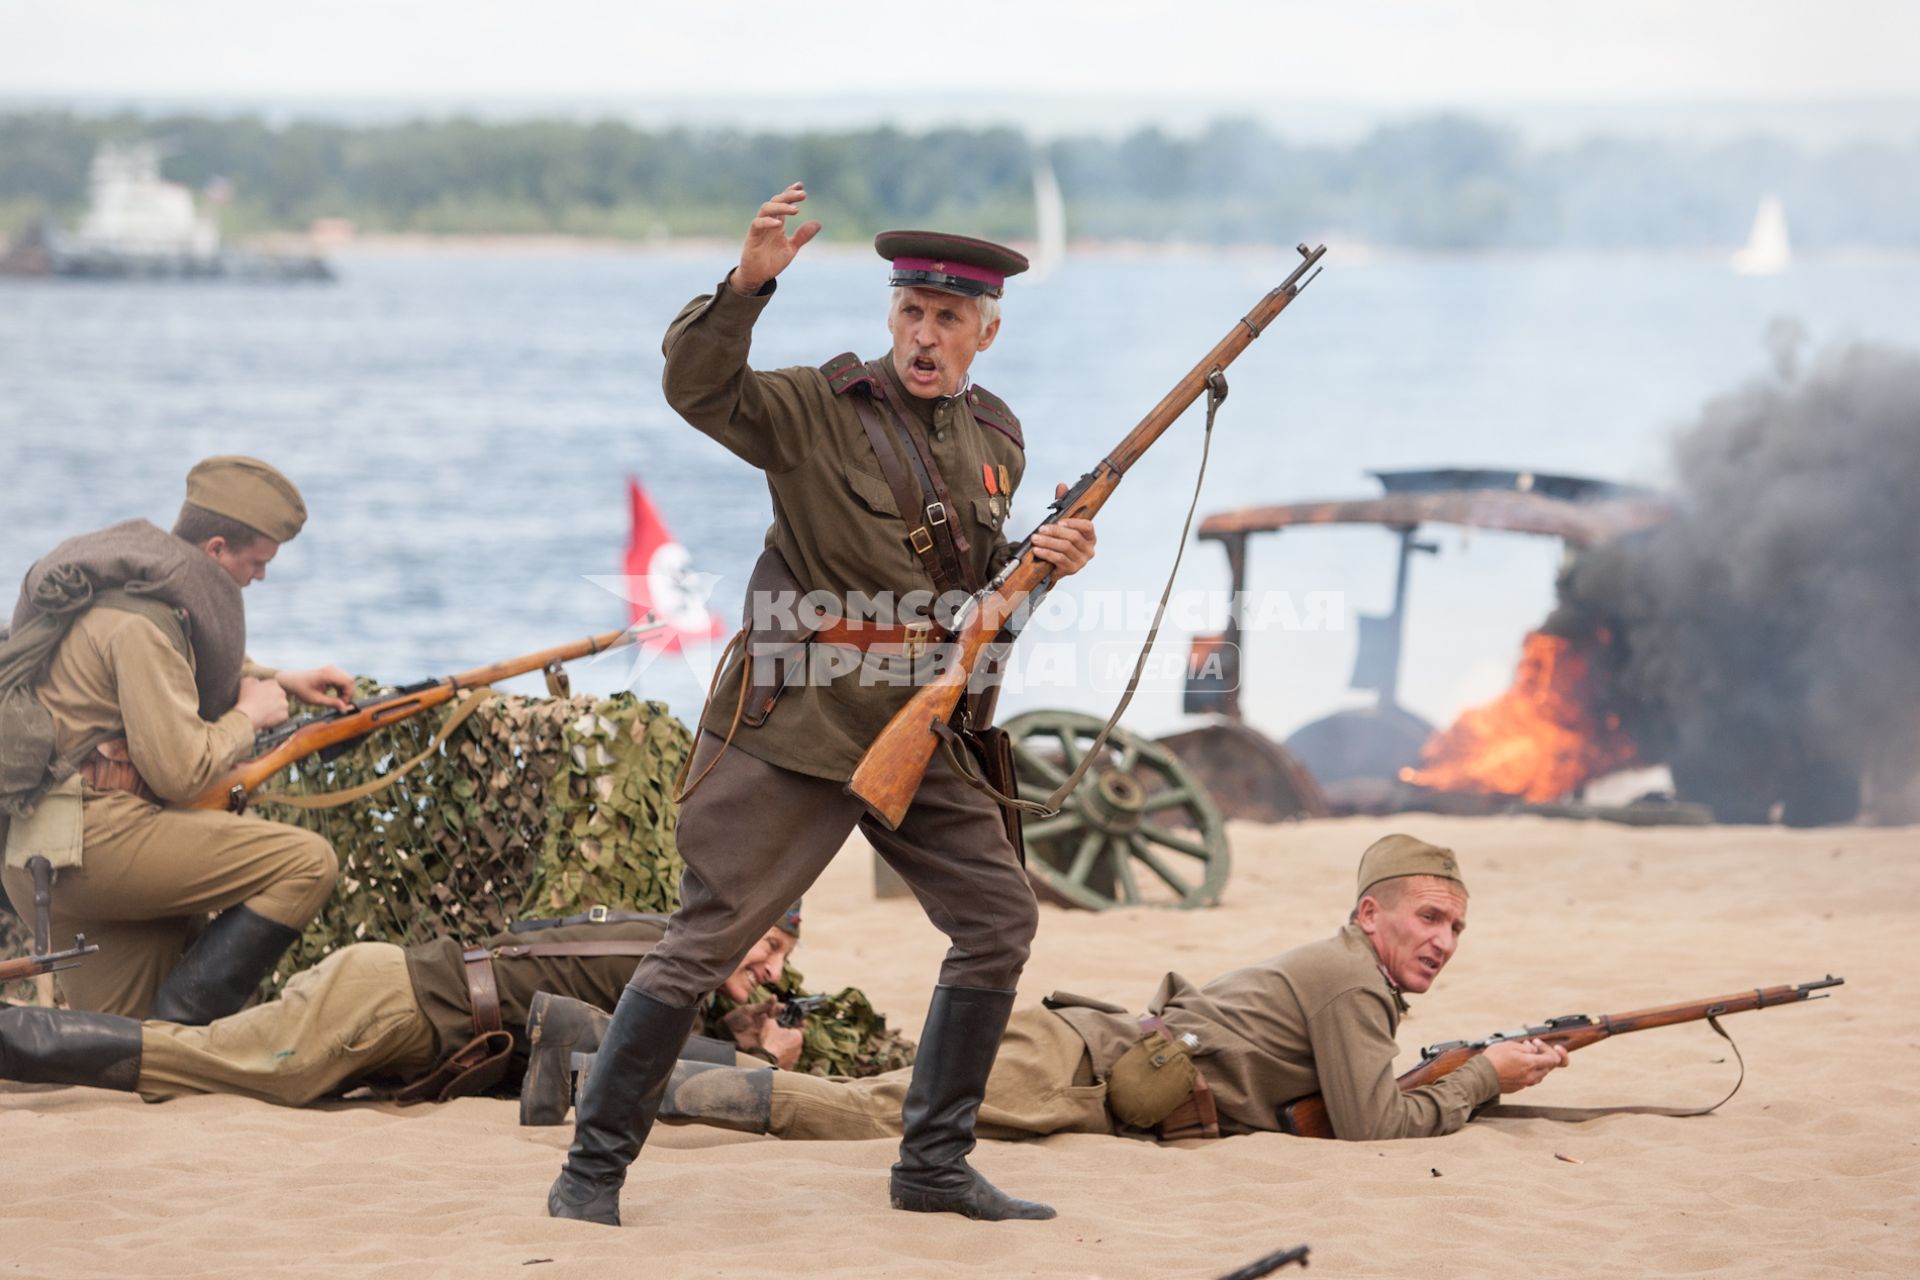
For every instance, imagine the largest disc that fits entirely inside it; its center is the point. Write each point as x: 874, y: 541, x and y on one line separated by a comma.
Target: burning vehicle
x: 1552, y: 732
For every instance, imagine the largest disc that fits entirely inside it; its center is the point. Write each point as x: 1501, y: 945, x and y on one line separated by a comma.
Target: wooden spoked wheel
x: 1139, y: 830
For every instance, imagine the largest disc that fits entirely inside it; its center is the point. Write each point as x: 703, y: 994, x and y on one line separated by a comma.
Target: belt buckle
x: 918, y: 639
x: 920, y: 540
x: 937, y: 514
x: 596, y: 915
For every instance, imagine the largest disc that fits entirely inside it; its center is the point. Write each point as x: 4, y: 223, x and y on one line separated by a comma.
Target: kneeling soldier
x: 125, y: 691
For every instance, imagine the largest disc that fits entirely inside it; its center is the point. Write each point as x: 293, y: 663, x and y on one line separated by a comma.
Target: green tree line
x: 1441, y: 182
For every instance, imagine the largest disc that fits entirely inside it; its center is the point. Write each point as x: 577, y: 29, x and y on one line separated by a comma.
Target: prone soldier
x: 439, y: 1020
x: 1205, y: 1061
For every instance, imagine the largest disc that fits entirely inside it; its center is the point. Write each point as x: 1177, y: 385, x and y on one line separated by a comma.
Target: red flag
x: 658, y: 581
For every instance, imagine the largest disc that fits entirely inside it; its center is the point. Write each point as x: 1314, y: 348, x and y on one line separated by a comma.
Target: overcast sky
x: 1383, y: 53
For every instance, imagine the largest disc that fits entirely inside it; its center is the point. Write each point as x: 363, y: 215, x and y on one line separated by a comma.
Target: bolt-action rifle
x: 890, y: 771
x: 335, y: 731
x: 44, y: 958
x: 1308, y: 1117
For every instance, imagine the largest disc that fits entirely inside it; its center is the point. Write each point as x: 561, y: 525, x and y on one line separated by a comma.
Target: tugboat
x: 140, y: 226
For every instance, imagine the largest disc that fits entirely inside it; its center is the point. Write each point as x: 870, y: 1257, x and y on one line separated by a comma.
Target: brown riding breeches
x: 754, y: 837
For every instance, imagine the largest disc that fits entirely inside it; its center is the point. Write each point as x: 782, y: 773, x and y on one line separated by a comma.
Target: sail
x: 1767, y: 251
x: 1050, y: 220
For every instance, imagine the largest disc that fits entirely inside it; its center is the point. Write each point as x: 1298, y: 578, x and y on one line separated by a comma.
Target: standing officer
x: 890, y: 476
x: 139, y: 697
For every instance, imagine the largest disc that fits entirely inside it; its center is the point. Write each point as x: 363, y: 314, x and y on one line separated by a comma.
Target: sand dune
x: 1812, y: 1170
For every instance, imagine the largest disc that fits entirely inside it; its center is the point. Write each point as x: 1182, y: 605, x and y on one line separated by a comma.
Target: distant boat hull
x: 40, y: 254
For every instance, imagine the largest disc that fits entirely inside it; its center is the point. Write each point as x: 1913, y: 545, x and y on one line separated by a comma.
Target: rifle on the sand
x: 295, y: 740
x: 1308, y: 1117
x: 1271, y: 1263
x: 890, y: 771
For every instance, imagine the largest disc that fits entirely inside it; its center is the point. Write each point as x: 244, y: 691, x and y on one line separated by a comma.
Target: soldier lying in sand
x: 1218, y: 1059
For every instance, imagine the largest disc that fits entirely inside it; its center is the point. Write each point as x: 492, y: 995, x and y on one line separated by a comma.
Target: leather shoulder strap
x: 990, y: 410
x: 845, y: 372
x: 920, y: 537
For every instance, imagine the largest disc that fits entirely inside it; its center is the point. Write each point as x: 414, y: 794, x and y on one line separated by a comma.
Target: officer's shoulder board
x: 846, y: 371
x: 990, y: 410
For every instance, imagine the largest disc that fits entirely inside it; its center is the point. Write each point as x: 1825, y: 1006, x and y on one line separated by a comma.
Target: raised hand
x: 769, y: 249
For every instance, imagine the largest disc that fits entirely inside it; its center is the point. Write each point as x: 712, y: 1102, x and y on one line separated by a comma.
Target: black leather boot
x: 726, y: 1097
x: 63, y: 1046
x: 616, y: 1109
x: 557, y: 1028
x: 936, y: 1121
x: 697, y: 1049
x: 222, y: 969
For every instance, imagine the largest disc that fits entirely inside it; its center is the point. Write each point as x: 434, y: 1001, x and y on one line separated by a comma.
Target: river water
x: 462, y: 426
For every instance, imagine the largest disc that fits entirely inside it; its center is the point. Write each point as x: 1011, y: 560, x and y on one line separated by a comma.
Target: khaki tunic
x: 150, y: 873
x: 376, y: 1012
x: 1317, y: 1019
x: 835, y: 520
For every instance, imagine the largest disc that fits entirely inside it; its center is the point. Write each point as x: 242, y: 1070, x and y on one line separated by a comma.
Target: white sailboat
x: 1767, y: 251
x: 1050, y: 220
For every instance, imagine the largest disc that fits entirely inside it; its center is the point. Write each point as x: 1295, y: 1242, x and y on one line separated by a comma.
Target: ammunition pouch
x: 1151, y: 1080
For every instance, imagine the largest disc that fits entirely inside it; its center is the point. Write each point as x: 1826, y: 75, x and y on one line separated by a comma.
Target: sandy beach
x: 1812, y: 1170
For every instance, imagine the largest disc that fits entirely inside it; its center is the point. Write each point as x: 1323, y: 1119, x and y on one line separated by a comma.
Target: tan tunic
x: 1317, y: 1019
x: 150, y: 872
x: 834, y: 519
x: 117, y: 672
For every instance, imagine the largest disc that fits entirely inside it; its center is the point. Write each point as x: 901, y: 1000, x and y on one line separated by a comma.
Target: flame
x: 1538, y: 740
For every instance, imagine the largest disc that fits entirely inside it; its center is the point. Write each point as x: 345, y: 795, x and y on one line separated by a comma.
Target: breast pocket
x: 991, y: 513
x: 873, y: 491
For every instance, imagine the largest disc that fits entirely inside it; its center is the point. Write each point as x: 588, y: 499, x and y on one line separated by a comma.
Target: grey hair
x: 989, y: 307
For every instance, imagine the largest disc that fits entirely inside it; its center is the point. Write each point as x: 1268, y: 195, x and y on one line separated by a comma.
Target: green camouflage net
x: 843, y: 1037
x: 534, y: 807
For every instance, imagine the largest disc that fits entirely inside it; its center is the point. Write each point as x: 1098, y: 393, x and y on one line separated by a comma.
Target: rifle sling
x: 469, y: 703
x: 1580, y: 1115
x: 1216, y: 393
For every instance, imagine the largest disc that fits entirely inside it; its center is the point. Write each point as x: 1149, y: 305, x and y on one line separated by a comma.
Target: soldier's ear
x: 993, y: 331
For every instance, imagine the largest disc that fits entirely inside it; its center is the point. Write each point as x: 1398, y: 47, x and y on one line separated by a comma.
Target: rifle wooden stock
x: 1308, y: 1117
x: 233, y: 791
x: 890, y: 772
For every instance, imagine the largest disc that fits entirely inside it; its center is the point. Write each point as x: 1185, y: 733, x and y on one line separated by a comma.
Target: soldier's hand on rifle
x: 263, y: 701
x: 768, y: 249
x: 321, y: 686
x: 1521, y: 1064
x: 757, y: 1026
x: 1067, y: 544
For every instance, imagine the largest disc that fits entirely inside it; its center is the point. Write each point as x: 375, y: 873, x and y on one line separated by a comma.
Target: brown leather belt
x: 110, y: 768
x: 909, y: 639
x: 1196, y: 1117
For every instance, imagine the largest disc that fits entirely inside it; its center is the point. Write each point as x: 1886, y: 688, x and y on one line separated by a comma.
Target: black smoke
x: 1767, y: 638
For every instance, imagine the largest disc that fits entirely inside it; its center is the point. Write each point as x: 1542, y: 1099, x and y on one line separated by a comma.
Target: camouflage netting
x: 534, y: 807
x: 844, y: 1037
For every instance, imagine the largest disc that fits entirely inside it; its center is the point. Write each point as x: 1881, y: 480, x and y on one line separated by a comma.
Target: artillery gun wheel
x: 1138, y: 830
